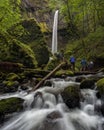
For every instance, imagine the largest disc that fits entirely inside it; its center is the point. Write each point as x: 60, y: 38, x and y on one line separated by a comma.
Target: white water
x: 54, y: 35
x: 36, y: 116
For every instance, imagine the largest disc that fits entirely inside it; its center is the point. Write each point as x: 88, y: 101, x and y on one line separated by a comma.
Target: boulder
x: 100, y: 86
x: 51, y: 122
x: 54, y: 115
x: 87, y: 84
x: 71, y: 96
x: 9, y: 86
x: 10, y: 105
x: 80, y: 79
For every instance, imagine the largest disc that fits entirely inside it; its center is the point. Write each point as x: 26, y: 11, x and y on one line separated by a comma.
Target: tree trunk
x: 47, y: 76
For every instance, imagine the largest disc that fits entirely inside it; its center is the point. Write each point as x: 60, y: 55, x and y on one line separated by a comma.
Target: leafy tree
x: 9, y: 13
x: 82, y: 15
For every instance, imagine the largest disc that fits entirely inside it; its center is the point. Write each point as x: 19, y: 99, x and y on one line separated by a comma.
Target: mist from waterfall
x: 54, y: 35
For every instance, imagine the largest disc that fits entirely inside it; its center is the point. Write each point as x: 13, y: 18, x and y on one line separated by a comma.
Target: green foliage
x: 90, y: 47
x: 9, y: 13
x: 81, y: 16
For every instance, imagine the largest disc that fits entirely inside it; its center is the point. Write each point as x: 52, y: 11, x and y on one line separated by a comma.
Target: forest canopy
x: 9, y: 13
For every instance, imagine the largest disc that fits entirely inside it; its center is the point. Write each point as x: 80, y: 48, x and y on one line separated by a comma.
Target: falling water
x: 54, y: 35
x: 48, y: 112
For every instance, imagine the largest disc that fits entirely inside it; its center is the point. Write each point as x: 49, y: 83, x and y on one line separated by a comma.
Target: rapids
x: 45, y: 110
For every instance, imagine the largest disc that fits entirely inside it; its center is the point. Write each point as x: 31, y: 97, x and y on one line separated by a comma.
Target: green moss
x: 71, y: 96
x: 12, y: 77
x: 100, y: 86
x: 52, y: 64
x: 27, y: 31
x: 43, y: 27
x: 14, y: 51
x: 9, y: 83
x: 87, y: 83
x: 10, y: 105
x: 41, y: 53
x: 61, y: 72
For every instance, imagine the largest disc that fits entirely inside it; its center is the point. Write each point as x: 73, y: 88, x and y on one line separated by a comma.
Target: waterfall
x: 54, y: 35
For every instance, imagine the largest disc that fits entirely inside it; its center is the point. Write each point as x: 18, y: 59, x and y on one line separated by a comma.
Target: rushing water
x: 54, y: 35
x: 45, y: 111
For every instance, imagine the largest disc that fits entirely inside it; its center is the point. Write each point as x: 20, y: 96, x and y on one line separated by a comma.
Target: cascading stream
x: 47, y: 111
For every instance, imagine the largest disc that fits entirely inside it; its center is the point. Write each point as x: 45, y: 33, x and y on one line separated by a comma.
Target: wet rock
x: 10, y: 105
x: 102, y: 108
x: 12, y: 77
x: 51, y: 122
x: 80, y: 79
x: 48, y: 83
x: 71, y: 96
x: 54, y: 115
x: 9, y: 86
x: 87, y: 84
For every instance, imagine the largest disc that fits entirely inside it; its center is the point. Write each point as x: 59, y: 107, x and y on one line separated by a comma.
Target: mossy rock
x: 52, y: 63
x: 42, y: 54
x: 15, y: 51
x: 2, y: 76
x: 10, y: 105
x: 80, y: 79
x: 71, y: 96
x: 87, y: 84
x: 35, y: 73
x: 27, y: 31
x: 12, y: 77
x: 9, y: 86
x: 61, y: 73
x: 100, y: 86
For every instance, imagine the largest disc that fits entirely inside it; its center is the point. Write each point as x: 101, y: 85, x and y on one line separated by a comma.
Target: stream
x: 44, y: 111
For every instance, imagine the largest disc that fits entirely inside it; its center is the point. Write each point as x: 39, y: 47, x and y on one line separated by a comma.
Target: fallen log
x: 47, y: 76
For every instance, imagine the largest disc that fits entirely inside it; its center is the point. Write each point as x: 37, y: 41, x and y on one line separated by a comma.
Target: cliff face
x: 39, y: 10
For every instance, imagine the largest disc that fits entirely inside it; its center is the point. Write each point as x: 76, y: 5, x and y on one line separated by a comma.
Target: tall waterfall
x: 54, y: 35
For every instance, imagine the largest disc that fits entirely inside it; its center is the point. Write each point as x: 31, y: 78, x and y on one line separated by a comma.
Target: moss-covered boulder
x: 12, y: 50
x: 12, y: 77
x: 29, y: 32
x: 100, y: 86
x: 71, y: 96
x: 10, y: 105
x: 80, y: 79
x: 53, y: 62
x: 42, y: 54
x: 62, y: 73
x: 87, y: 84
x: 9, y: 86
